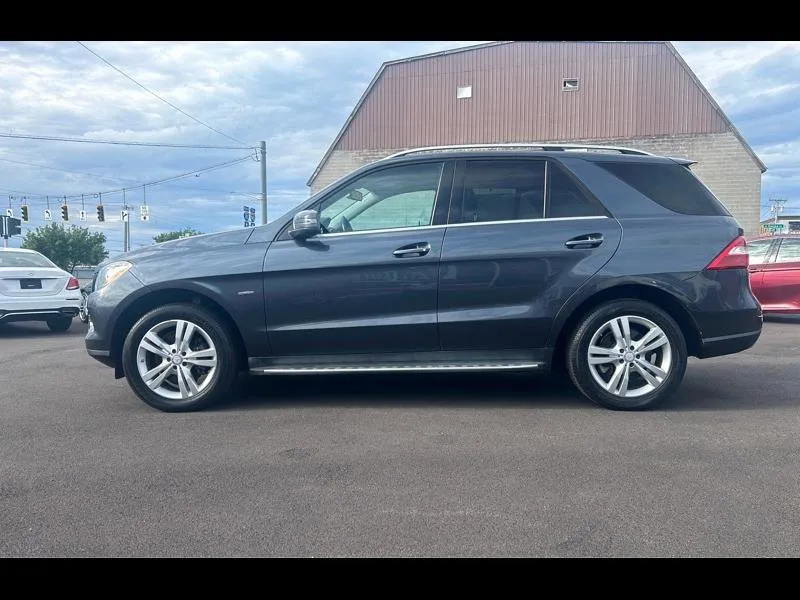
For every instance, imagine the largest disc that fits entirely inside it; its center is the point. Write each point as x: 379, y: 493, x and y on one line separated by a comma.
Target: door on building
x: 522, y: 236
x: 368, y: 283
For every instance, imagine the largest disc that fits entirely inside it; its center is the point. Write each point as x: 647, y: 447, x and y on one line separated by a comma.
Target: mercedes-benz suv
x: 611, y: 263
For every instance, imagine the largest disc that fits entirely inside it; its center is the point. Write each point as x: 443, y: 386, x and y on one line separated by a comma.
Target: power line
x: 53, y: 138
x: 118, y: 70
x: 113, y: 178
x: 97, y: 175
x: 58, y: 197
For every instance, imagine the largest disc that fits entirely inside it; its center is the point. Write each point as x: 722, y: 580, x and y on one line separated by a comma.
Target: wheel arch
x: 171, y: 295
x: 636, y: 291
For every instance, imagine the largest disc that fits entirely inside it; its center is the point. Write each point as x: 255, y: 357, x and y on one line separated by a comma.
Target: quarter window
x: 789, y: 251
x: 402, y: 196
x: 672, y: 186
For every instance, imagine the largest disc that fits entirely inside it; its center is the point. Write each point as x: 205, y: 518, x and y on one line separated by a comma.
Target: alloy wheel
x: 176, y: 359
x: 630, y: 356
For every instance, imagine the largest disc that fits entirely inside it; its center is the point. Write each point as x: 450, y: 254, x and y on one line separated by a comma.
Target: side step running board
x: 306, y: 370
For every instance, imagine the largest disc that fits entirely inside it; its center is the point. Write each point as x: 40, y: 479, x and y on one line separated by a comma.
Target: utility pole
x: 263, y: 183
x: 126, y: 225
x: 777, y: 208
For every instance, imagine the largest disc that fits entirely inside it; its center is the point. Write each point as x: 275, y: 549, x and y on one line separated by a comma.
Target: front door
x: 522, y: 238
x: 367, y: 284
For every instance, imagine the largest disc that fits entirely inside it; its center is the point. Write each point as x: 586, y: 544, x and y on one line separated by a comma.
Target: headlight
x: 110, y: 273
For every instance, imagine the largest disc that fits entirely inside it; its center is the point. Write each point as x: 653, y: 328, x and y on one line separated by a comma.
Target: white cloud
x: 294, y: 95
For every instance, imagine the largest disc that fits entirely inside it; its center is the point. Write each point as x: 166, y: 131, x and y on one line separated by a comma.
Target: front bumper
x: 105, y: 307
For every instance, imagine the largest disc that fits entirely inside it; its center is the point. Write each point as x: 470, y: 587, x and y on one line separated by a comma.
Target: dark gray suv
x: 609, y: 262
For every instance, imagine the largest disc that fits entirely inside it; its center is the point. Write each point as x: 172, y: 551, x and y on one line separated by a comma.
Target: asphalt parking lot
x: 427, y: 465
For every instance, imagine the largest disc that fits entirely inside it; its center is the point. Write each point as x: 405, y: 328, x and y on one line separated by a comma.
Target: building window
x: 569, y: 84
x: 464, y: 92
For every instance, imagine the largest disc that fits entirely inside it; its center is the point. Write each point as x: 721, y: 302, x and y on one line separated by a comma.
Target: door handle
x: 420, y: 249
x: 591, y: 240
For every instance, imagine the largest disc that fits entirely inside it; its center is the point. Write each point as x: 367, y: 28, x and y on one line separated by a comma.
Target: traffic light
x: 24, y: 212
x: 64, y: 212
x: 101, y: 213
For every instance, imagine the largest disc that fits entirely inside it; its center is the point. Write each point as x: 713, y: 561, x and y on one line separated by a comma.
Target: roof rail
x: 548, y: 147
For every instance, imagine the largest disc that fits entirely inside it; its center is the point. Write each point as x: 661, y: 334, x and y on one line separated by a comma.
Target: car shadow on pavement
x: 32, y: 329
x: 782, y: 319
x: 406, y: 390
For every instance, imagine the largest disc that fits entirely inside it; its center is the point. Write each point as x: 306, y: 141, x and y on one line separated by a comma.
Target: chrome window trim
x: 384, y: 230
x: 469, y: 224
x: 473, y: 224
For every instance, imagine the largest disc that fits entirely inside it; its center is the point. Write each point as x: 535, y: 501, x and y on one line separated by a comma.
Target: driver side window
x: 402, y: 196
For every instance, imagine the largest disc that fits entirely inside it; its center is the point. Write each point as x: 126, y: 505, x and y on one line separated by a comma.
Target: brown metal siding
x: 627, y: 90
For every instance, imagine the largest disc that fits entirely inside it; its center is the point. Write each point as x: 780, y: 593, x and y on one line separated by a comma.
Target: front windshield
x: 23, y: 259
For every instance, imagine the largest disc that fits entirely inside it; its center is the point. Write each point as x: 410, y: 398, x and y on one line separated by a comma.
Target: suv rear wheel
x: 627, y: 355
x: 179, y: 358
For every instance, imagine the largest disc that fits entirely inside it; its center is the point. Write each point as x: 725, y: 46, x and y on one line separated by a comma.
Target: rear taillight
x: 73, y: 284
x: 734, y: 256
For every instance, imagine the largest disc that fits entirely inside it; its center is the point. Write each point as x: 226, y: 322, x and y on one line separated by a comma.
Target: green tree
x: 174, y: 235
x: 67, y: 246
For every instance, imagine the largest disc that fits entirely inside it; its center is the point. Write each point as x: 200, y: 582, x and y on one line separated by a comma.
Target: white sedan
x: 32, y: 288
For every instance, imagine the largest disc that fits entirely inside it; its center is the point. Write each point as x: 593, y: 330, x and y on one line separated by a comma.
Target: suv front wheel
x: 627, y: 355
x: 179, y: 358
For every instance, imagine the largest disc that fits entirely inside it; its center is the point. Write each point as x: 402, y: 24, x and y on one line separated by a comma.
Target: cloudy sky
x: 294, y: 95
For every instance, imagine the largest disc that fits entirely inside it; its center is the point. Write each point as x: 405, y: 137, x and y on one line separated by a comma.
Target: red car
x: 775, y: 272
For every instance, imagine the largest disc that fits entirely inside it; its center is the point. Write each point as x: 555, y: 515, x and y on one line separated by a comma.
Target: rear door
x: 780, y: 285
x: 523, y: 235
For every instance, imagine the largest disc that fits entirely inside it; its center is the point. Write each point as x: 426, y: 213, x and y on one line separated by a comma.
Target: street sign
x: 82, y: 215
x: 144, y: 213
x: 48, y: 215
x: 9, y: 212
x: 124, y: 216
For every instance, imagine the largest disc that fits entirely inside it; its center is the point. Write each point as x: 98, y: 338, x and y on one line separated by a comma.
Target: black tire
x: 223, y: 378
x: 580, y: 371
x: 83, y: 313
x: 59, y: 324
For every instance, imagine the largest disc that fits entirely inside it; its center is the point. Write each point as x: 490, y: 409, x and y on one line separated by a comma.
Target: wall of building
x: 723, y: 165
x: 629, y: 89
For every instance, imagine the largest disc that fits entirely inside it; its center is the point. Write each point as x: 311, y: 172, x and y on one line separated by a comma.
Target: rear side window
x: 672, y: 186
x: 503, y: 191
x: 789, y: 251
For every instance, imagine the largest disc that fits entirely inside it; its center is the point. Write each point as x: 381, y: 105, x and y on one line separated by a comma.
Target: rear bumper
x: 728, y: 344
x: 10, y: 316
x: 16, y: 308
